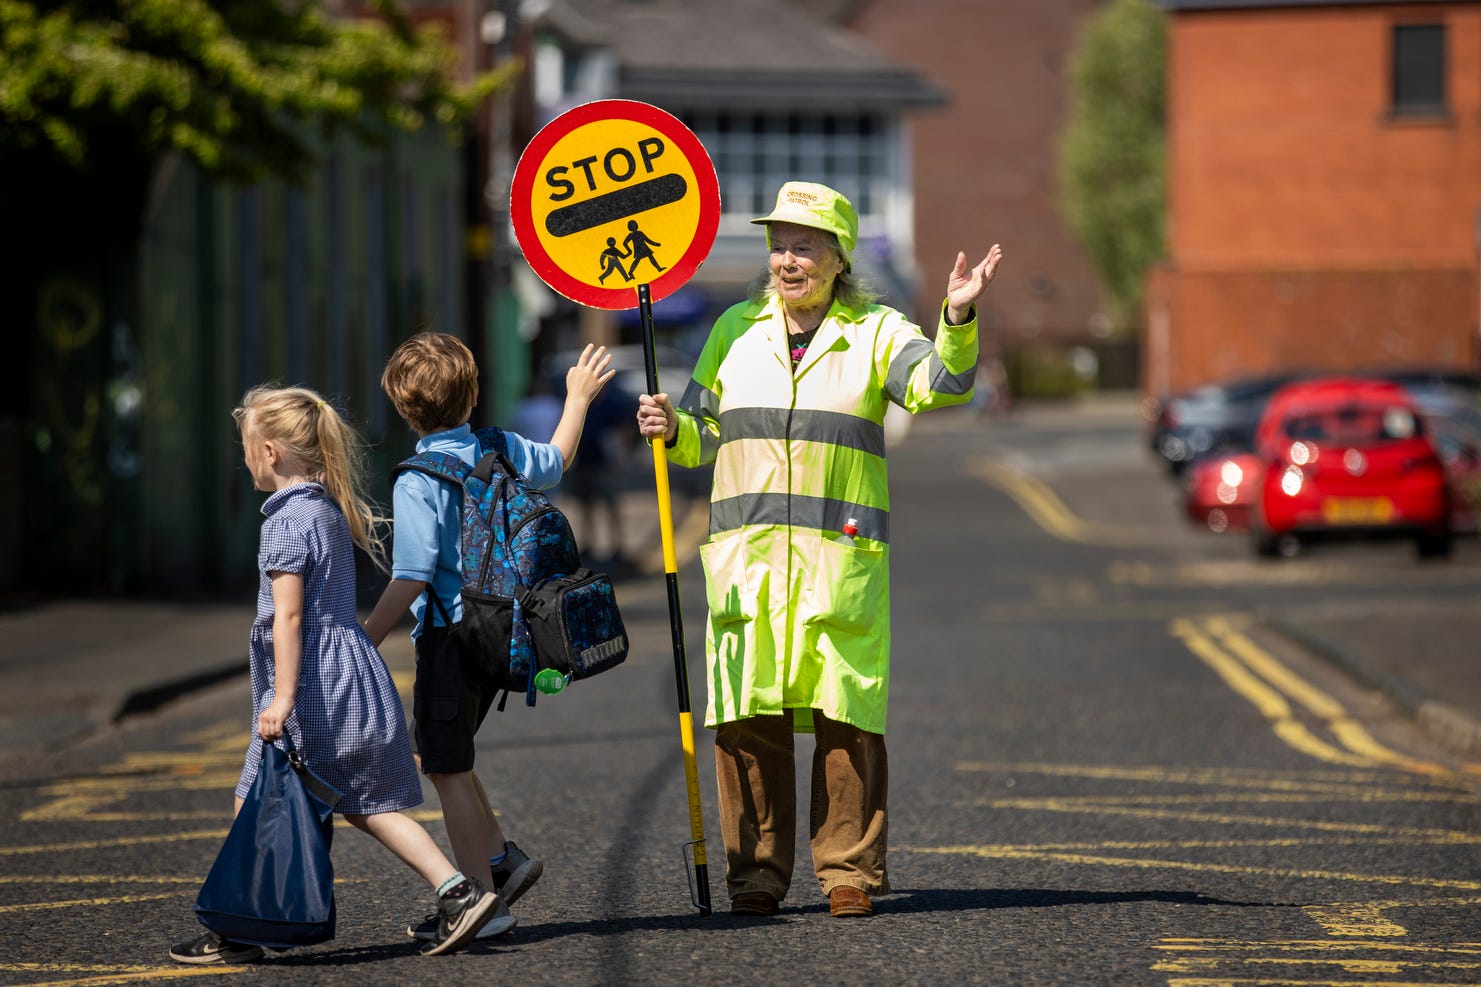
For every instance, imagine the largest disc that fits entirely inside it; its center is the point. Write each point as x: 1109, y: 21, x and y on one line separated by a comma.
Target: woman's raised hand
x: 965, y: 286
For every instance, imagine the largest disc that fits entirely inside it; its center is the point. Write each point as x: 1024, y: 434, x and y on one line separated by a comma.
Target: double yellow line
x: 1281, y: 695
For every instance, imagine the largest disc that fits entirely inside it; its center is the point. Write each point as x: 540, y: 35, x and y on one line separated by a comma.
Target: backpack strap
x: 438, y: 465
x: 492, y: 440
x: 445, y: 466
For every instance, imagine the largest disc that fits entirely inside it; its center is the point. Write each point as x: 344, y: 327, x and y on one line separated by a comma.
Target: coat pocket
x: 847, y: 587
x: 728, y: 588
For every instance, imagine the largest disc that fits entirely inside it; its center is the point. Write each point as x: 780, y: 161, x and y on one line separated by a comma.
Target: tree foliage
x: 1113, y: 152
x: 232, y: 84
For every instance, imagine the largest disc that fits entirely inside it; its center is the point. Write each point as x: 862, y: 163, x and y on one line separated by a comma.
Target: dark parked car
x: 1192, y: 424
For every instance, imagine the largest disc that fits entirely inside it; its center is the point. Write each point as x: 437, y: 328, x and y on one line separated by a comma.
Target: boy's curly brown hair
x: 432, y: 379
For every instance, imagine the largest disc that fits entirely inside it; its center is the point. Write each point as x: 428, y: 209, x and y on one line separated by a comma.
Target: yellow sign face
x: 611, y: 195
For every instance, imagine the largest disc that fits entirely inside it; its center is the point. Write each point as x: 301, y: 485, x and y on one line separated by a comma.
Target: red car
x: 1348, y: 456
x: 1220, y: 490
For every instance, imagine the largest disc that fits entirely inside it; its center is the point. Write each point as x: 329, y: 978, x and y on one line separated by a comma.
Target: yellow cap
x: 817, y: 207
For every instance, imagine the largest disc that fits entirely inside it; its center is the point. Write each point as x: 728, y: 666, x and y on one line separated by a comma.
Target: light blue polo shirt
x: 428, y: 515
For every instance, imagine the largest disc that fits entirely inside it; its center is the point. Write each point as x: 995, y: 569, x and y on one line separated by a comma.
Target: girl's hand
x: 964, y: 287
x: 586, y: 378
x: 656, y: 416
x: 270, y: 722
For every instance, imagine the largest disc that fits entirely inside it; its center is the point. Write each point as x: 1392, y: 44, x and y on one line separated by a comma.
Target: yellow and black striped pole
x: 699, y: 888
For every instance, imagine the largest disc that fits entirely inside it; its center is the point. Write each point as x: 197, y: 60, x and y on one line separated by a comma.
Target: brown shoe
x: 753, y: 903
x: 846, y: 901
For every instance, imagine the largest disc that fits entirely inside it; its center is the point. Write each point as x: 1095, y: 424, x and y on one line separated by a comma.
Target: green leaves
x: 233, y: 84
x: 1113, y: 154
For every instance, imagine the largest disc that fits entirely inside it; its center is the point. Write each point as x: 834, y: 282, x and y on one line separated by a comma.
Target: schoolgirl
x: 315, y: 675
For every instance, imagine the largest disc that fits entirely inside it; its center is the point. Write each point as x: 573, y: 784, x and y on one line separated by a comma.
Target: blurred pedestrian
x: 315, y: 675
x: 595, y: 479
x: 788, y: 401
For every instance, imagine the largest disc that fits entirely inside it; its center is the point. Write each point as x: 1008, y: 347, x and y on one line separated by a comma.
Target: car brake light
x: 1291, y: 481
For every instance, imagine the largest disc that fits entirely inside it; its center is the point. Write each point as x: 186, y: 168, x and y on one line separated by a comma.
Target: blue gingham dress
x: 347, y: 718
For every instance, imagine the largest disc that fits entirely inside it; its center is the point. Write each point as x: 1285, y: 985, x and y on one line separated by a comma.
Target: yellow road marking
x: 1045, y: 508
x: 1366, y: 918
x: 35, y: 906
x: 201, y: 834
x: 1355, y: 919
x: 1288, y: 982
x: 1238, y: 777
x: 95, y: 879
x: 1349, y: 732
x: 1074, y: 805
x: 115, y: 974
x: 1018, y: 853
x: 1266, y: 683
x: 1270, y: 703
x: 1323, y: 945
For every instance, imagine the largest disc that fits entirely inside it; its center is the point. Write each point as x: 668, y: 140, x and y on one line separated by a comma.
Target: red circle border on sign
x: 522, y: 187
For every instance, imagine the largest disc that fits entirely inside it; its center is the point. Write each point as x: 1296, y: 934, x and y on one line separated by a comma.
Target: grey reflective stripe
x: 798, y: 512
x: 701, y: 402
x: 897, y: 381
x: 949, y: 383
x: 832, y: 427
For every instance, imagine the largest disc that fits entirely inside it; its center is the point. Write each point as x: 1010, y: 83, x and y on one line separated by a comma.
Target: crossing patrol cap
x: 817, y: 207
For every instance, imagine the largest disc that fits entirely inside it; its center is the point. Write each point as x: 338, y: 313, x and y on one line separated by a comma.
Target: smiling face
x: 804, y: 265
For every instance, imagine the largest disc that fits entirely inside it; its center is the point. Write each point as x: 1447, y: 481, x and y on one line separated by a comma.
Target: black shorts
x: 447, y: 706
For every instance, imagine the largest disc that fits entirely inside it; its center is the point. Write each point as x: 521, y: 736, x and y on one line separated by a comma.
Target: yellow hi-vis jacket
x: 798, y: 619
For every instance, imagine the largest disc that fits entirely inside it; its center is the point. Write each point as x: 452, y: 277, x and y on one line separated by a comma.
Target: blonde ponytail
x: 312, y: 431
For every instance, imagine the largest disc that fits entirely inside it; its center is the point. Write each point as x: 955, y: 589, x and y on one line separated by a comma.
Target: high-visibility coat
x: 797, y: 618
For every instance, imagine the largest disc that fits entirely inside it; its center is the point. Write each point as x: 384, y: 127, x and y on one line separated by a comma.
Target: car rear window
x: 1353, y: 425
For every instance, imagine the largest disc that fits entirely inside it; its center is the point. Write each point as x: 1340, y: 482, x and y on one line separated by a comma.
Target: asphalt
x: 70, y: 669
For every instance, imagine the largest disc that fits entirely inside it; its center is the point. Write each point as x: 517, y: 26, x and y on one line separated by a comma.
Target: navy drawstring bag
x: 272, y: 883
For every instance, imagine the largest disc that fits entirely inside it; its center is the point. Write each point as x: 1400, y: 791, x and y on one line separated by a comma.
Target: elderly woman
x: 788, y: 401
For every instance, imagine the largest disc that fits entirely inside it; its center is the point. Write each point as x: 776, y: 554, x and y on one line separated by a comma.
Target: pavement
x: 71, y: 669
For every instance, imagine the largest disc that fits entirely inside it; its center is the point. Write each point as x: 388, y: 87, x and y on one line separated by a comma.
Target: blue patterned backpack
x: 528, y: 603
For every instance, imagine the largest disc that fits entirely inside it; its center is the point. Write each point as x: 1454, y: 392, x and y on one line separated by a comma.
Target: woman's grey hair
x: 849, y: 289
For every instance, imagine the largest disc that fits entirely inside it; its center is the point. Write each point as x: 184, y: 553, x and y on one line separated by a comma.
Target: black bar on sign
x: 617, y: 205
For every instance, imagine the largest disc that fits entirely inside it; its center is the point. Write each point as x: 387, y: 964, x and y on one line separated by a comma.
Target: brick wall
x: 1307, y: 226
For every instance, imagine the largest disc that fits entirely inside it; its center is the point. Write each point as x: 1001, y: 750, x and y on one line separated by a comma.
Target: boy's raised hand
x: 585, y: 379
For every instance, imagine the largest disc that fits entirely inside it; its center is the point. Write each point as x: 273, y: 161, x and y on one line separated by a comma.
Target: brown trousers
x: 756, y: 770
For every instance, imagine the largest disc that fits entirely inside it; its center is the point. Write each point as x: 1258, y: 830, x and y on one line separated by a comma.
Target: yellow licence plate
x: 1357, y: 510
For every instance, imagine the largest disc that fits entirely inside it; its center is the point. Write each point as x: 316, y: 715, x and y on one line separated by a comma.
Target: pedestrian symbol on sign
x: 638, y: 245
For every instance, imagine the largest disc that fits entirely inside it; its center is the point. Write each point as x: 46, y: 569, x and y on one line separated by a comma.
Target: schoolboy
x: 432, y: 379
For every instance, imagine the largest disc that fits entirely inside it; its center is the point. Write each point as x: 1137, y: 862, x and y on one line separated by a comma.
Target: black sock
x: 461, y: 890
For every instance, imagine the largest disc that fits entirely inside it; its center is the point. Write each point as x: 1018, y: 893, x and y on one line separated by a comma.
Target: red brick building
x: 1324, y: 179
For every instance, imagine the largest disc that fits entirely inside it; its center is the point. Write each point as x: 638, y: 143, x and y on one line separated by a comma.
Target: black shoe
x: 500, y: 923
x: 516, y: 873
x: 209, y: 949
x: 459, y: 919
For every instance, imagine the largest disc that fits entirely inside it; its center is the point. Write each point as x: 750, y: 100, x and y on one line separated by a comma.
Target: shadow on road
x: 973, y: 899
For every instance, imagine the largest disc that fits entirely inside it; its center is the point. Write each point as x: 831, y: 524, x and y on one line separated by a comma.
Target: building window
x: 754, y: 153
x: 1419, y: 70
